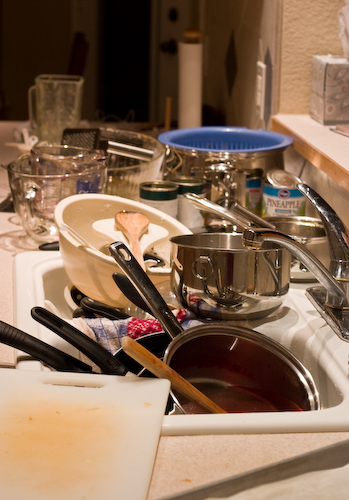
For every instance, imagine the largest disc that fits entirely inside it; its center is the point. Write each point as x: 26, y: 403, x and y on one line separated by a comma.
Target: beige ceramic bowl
x: 89, y: 269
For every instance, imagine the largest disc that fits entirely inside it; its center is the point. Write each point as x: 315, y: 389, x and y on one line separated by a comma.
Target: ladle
x: 161, y: 370
x: 133, y: 225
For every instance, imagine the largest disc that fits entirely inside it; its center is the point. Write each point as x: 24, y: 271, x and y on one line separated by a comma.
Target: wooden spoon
x: 161, y: 370
x: 133, y: 225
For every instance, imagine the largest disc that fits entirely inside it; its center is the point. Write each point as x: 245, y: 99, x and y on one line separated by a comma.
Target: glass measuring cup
x: 40, y: 179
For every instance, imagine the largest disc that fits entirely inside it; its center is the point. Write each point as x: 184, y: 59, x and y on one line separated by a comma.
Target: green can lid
x: 190, y: 185
x: 255, y: 172
x: 158, y: 190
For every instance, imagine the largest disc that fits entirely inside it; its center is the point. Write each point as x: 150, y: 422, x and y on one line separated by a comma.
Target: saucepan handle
x: 145, y: 288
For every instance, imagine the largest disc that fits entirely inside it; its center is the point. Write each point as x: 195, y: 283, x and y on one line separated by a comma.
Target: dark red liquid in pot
x: 240, y: 400
x: 238, y: 375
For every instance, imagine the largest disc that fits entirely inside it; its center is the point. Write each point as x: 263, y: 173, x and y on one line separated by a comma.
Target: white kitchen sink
x: 40, y: 277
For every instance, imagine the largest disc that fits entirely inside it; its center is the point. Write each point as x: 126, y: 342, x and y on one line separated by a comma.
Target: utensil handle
x: 241, y: 211
x: 145, y: 288
x: 136, y: 250
x: 216, y: 209
x: 103, y: 358
x: 102, y: 309
x: 237, y: 214
x: 49, y: 355
x: 130, y: 291
x: 161, y: 370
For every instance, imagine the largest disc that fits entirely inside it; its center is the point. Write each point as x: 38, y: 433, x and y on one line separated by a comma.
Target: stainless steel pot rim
x: 297, y: 219
x: 302, y: 226
x: 230, y: 157
x: 262, y: 340
x: 228, y: 242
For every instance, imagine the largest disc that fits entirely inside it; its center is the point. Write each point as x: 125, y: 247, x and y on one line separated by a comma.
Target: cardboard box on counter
x: 329, y: 102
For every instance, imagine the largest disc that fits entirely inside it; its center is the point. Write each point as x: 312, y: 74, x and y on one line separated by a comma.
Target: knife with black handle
x: 49, y: 355
x: 100, y: 356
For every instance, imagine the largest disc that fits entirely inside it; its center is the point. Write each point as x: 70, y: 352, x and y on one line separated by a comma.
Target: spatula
x: 133, y: 225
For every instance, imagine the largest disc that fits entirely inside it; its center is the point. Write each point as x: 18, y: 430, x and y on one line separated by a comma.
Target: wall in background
x: 37, y: 38
x: 168, y: 21
x: 291, y: 30
x: 30, y: 46
x: 239, y: 33
x: 309, y: 28
x: 123, y: 73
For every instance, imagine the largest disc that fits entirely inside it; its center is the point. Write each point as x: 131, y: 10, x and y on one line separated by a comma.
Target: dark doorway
x: 124, y: 59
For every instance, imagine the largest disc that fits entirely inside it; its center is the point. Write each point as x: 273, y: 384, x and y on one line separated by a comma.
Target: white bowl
x: 89, y: 269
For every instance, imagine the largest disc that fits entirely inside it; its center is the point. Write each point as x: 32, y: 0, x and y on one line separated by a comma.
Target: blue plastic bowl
x: 225, y: 139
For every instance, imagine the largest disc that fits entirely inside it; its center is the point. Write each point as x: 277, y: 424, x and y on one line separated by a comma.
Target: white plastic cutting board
x: 75, y: 436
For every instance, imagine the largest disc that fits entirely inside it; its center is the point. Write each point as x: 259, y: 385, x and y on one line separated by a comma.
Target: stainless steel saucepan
x: 214, y: 275
x: 243, y: 370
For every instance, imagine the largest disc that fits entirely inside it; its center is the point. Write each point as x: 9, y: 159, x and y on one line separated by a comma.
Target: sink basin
x: 40, y: 277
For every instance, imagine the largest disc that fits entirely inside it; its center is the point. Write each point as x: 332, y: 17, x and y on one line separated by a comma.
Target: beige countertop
x: 183, y: 462
x: 325, y: 149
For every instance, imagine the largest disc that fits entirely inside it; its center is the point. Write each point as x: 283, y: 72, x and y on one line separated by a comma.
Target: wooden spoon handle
x: 161, y: 370
x: 136, y: 250
x: 133, y: 225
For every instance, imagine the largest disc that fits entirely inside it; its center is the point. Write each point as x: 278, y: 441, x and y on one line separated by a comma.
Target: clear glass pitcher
x: 55, y: 104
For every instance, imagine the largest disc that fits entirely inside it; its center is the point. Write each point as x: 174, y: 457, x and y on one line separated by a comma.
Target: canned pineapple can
x: 281, y: 196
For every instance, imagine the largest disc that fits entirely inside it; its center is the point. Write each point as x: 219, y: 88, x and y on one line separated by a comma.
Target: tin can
x: 281, y: 196
x: 188, y: 214
x: 254, y: 191
x: 161, y: 195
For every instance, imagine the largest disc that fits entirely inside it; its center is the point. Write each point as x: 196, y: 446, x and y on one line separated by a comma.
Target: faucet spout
x: 336, y: 232
x: 336, y: 296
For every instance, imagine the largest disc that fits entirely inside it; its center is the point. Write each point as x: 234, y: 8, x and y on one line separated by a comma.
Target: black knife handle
x: 100, y: 356
x: 130, y: 292
x: 51, y: 356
